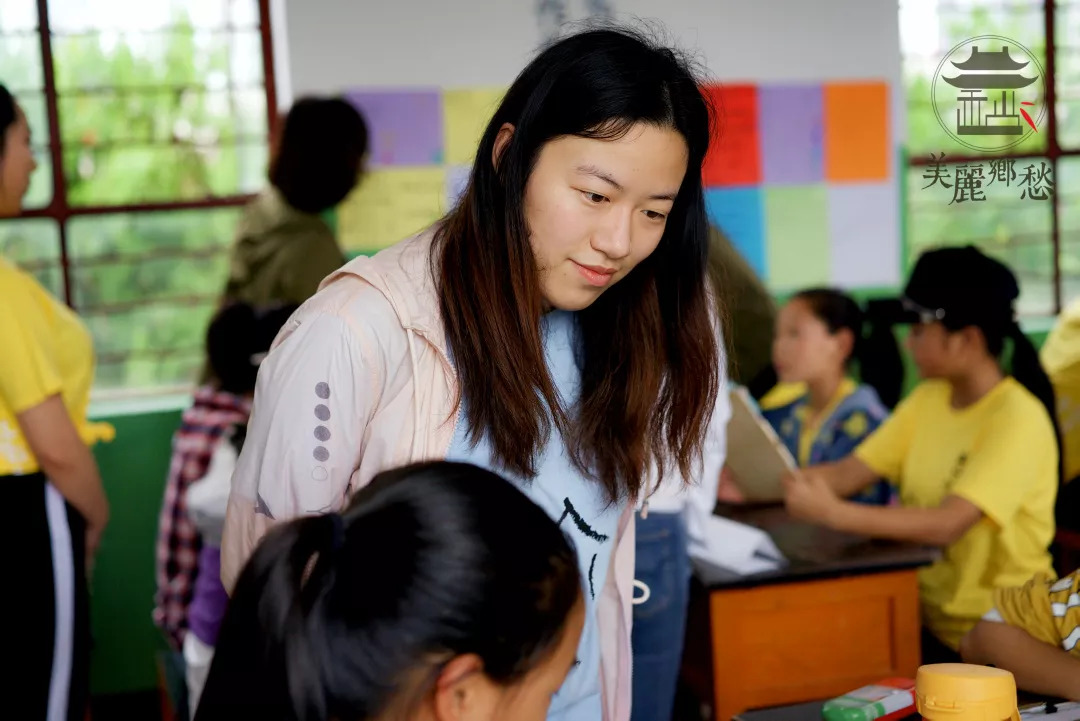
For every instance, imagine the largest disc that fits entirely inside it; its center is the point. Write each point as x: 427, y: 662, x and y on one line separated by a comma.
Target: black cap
x: 960, y: 287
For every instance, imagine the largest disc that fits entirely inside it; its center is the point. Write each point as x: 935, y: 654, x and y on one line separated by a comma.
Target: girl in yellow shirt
x: 56, y: 507
x: 973, y: 451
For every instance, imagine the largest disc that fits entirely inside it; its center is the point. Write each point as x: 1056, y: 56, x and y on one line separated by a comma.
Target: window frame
x: 61, y: 211
x: 1053, y: 153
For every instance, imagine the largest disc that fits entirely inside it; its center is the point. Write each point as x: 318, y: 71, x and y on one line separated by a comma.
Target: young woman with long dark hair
x: 555, y: 326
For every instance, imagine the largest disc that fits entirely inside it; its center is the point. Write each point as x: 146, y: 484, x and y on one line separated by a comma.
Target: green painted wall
x: 133, y: 468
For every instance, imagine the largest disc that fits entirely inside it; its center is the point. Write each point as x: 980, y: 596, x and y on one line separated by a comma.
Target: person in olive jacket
x: 284, y: 248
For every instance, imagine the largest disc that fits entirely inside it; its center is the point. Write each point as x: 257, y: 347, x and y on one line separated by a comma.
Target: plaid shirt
x: 178, y: 544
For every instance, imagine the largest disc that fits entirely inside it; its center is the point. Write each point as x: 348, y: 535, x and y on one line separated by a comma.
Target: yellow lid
x: 960, y: 692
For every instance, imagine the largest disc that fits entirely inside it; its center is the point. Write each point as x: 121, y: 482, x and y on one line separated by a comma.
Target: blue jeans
x: 663, y: 564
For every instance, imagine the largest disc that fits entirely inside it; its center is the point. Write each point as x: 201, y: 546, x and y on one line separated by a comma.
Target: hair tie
x: 337, y: 531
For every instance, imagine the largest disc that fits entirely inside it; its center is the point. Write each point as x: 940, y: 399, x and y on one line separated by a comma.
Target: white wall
x: 333, y: 45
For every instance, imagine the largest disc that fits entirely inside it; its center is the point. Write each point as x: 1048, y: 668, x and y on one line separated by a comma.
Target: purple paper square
x: 792, y: 133
x: 405, y: 127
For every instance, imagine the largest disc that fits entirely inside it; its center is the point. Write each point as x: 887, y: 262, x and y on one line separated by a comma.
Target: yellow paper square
x: 466, y: 112
x: 391, y: 204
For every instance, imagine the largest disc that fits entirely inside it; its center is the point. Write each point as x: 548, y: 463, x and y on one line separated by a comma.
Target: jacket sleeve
x: 313, y: 399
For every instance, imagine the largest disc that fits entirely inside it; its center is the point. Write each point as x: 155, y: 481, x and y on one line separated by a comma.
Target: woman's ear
x: 501, y: 141
x: 463, y: 693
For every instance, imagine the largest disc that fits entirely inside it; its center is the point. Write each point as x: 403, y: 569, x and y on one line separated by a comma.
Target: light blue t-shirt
x: 580, y: 507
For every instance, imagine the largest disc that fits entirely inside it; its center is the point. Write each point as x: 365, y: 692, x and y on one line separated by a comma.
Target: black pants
x: 44, y: 601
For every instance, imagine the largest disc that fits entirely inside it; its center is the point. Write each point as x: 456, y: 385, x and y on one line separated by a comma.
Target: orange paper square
x: 856, y: 131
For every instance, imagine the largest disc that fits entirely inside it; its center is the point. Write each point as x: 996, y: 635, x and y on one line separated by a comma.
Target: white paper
x: 734, y: 546
x: 1069, y: 711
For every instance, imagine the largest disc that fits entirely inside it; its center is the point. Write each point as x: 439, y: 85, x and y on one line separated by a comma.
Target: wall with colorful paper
x: 803, y: 178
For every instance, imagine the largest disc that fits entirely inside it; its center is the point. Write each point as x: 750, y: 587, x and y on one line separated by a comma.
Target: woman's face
x: 803, y: 348
x: 597, y: 208
x: 16, y: 165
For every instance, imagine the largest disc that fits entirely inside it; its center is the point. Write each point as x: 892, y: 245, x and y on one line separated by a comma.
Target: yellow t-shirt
x: 1049, y: 610
x: 999, y: 454
x: 1060, y: 357
x: 46, y: 350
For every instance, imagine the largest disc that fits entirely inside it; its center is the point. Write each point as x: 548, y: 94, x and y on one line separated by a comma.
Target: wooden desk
x: 843, y: 613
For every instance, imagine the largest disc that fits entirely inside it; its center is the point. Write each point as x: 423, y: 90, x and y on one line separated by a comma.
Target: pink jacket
x: 360, y: 381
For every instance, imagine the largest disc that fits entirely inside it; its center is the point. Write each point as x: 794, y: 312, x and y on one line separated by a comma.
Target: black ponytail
x: 333, y: 614
x: 875, y: 348
x: 880, y: 363
x: 1028, y: 371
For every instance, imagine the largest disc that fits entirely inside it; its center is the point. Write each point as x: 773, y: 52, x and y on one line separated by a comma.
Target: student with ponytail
x: 471, y: 608
x: 819, y: 336
x: 974, y: 451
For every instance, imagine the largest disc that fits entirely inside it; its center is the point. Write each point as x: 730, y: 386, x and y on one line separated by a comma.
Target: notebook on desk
x: 756, y: 456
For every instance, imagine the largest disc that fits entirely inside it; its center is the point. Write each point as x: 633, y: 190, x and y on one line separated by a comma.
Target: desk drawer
x: 798, y: 642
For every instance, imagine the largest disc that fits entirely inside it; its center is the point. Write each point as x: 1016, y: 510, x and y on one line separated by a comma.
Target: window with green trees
x: 1038, y: 237
x: 150, y: 123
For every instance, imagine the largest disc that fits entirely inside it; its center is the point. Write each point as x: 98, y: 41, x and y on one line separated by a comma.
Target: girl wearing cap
x: 973, y: 450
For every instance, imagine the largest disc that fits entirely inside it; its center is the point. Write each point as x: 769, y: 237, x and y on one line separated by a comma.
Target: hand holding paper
x: 808, y: 496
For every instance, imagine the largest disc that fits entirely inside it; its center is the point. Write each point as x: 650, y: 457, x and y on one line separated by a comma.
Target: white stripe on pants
x: 64, y: 594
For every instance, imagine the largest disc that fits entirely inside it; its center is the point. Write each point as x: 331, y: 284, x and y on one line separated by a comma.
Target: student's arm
x: 880, y: 455
x: 1018, y: 444
x: 809, y: 497
x: 1038, y: 667
x: 845, y: 477
x: 67, y: 462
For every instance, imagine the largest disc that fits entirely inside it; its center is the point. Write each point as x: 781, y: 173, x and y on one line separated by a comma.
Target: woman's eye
x: 653, y: 215
x: 595, y: 198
